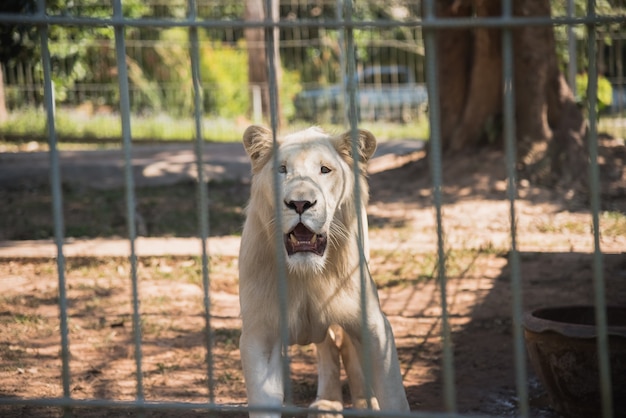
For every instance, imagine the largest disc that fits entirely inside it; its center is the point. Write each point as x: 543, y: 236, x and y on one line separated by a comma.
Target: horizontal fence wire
x: 438, y: 23
x: 217, y: 408
x: 430, y: 24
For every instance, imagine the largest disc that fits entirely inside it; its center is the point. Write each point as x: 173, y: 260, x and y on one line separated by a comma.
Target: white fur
x: 324, y: 291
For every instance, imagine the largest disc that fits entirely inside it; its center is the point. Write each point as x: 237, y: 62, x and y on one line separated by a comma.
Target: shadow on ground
x: 175, y: 366
x: 483, y: 349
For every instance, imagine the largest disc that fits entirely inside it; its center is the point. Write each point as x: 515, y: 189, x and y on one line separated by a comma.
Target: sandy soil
x: 556, y: 268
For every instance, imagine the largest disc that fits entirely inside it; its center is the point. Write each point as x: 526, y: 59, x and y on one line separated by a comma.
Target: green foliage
x: 17, y: 41
x: 605, y: 91
x: 224, y: 72
x: 70, y: 46
x: 603, y: 8
x: 318, y: 61
x: 289, y: 87
x: 159, y: 63
x: 160, y: 74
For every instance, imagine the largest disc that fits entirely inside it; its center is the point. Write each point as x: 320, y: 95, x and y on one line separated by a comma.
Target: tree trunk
x: 258, y: 75
x: 550, y: 128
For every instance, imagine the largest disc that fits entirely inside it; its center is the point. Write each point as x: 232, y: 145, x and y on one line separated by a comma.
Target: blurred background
x: 312, y: 80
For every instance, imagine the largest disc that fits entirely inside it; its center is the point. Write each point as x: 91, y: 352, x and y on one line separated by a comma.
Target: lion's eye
x: 282, y: 169
x: 325, y: 170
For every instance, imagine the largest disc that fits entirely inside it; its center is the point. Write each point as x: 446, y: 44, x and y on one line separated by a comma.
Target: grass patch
x: 27, y: 319
x: 613, y: 224
x: 613, y: 125
x: 76, y: 129
x: 105, y: 130
x: 559, y: 227
x: 75, y: 126
x: 393, y: 267
x: 407, y: 267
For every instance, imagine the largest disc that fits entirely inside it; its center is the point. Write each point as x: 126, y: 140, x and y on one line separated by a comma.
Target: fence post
x: 122, y: 72
x: 508, y: 100
x: 430, y: 44
x: 57, y: 200
x: 602, y: 339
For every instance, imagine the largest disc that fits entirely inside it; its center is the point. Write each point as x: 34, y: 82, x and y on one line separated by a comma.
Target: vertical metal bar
x: 514, y: 259
x: 571, y: 47
x: 619, y: 63
x: 203, y: 204
x: 270, y: 49
x: 342, y: 63
x: 594, y: 192
x: 435, y: 167
x: 353, y: 112
x: 57, y: 200
x: 122, y: 73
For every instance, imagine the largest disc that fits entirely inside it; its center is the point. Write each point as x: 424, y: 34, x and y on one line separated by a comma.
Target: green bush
x: 290, y: 86
x: 604, y: 92
x: 224, y: 71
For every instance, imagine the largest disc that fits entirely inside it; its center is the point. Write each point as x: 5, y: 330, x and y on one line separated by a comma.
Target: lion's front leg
x: 387, y: 378
x: 358, y: 385
x: 262, y: 368
x: 329, y: 397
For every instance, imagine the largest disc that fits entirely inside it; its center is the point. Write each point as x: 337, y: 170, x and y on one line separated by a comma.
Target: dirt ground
x: 555, y: 247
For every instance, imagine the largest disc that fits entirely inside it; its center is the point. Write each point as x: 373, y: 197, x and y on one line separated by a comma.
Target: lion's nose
x: 299, y: 205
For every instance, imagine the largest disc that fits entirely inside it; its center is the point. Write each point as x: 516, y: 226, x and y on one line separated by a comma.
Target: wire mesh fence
x: 331, y: 53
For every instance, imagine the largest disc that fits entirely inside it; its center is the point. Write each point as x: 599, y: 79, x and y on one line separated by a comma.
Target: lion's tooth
x: 313, y: 239
x: 293, y: 239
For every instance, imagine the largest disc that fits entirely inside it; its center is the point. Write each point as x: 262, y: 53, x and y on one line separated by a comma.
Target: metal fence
x: 429, y: 25
x: 311, y: 60
x: 312, y: 64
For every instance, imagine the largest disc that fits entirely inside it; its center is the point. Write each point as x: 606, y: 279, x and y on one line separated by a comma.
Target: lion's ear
x: 257, y: 140
x: 366, y: 144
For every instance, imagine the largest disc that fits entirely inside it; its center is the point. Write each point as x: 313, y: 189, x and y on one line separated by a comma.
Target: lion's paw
x: 362, y: 404
x: 326, y: 405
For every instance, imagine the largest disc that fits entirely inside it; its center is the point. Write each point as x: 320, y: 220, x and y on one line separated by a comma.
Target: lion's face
x: 314, y: 180
x: 316, y: 188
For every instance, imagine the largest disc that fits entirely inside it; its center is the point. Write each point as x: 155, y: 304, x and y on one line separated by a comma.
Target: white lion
x: 319, y: 233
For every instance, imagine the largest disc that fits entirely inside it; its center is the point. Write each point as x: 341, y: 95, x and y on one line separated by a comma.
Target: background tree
x: 258, y: 76
x: 71, y: 47
x: 550, y: 126
x: 16, y: 41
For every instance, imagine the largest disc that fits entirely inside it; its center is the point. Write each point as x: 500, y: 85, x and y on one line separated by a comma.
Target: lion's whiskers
x: 338, y: 234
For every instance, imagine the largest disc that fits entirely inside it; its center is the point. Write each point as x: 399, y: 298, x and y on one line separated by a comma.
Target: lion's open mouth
x: 302, y: 239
